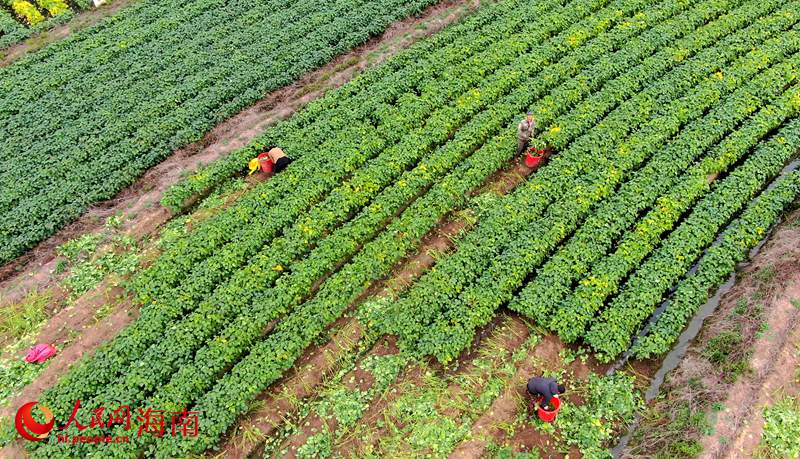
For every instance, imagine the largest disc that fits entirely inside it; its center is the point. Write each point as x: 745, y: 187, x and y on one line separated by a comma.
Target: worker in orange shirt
x: 279, y: 158
x: 274, y: 160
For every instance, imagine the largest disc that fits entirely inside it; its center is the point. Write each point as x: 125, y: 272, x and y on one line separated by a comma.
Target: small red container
x: 265, y: 162
x: 534, y: 158
x: 549, y: 416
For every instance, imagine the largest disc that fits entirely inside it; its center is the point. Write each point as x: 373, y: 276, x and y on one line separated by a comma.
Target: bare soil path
x: 497, y: 425
x: 781, y: 382
x: 740, y: 420
x: 774, y: 363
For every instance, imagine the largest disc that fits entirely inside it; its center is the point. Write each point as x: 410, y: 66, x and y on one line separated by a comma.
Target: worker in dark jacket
x: 525, y: 131
x: 545, y: 387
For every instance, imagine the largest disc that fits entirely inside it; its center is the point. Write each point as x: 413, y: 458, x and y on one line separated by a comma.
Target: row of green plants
x: 554, y: 281
x: 229, y: 299
x: 454, y: 329
x: 233, y: 299
x: 139, y: 74
x: 73, y: 94
x: 8, y: 25
x: 380, y: 87
x: 76, y: 104
x: 436, y: 291
x: 229, y: 314
x: 717, y: 264
x: 310, y: 180
x: 139, y: 23
x: 268, y: 359
x: 126, y: 131
x: 442, y: 281
x: 499, y: 69
x: 611, y: 332
x: 577, y: 310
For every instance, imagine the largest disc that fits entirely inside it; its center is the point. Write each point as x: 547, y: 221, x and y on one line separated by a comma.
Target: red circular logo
x: 28, y: 427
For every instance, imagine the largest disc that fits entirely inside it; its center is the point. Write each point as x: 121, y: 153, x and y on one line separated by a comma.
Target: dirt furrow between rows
x: 450, y: 392
x: 313, y: 368
x: 490, y: 426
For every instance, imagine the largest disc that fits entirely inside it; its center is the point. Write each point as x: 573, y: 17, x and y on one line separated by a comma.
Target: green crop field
x: 675, y: 131
x: 109, y: 102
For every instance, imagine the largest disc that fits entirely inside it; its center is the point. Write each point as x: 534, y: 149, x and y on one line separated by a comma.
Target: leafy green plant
x: 14, y: 375
x: 719, y: 348
x: 553, y: 282
x: 318, y: 446
x: 93, y: 256
x: 81, y: 247
x: 782, y: 429
x: 610, y: 402
x: 476, y: 304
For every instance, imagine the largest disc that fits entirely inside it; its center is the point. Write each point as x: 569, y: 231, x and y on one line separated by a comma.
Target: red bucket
x: 549, y: 416
x: 266, y: 162
x: 531, y: 160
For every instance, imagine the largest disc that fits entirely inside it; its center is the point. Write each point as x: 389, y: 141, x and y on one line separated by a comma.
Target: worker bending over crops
x: 525, y: 131
x: 547, y: 388
x: 272, y: 161
x: 278, y: 158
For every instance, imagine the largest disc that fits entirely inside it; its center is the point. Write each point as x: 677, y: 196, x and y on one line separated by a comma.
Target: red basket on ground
x: 265, y: 162
x: 534, y: 158
x: 545, y: 415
